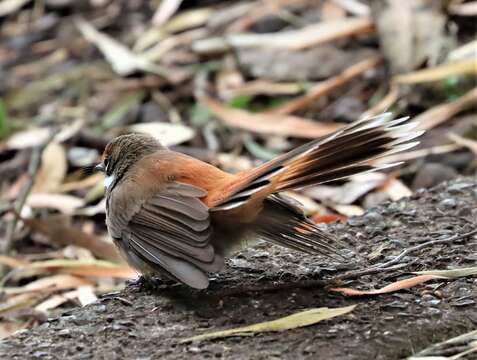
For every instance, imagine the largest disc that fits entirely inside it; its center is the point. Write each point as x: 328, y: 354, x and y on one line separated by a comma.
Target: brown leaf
x: 395, y: 286
x: 51, y: 283
x: 327, y: 86
x: 441, y: 113
x: 66, y: 204
x: 269, y: 123
x: 52, y: 170
x: 61, y: 234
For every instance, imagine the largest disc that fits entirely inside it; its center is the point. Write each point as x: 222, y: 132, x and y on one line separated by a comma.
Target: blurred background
x: 233, y: 83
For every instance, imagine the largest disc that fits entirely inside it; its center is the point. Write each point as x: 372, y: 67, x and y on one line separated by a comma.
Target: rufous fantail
x: 176, y: 216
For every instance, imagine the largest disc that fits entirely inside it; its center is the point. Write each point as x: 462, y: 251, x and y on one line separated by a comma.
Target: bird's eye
x: 106, y: 164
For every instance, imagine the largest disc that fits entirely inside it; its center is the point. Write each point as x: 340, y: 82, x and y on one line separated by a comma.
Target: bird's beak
x: 99, y: 167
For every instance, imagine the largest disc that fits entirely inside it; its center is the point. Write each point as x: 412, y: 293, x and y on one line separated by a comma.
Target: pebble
x: 447, y: 204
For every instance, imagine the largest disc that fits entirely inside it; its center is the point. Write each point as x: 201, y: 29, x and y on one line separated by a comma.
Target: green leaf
x: 199, y: 115
x: 450, y: 274
x: 4, y: 127
x: 241, y: 102
x: 301, y: 319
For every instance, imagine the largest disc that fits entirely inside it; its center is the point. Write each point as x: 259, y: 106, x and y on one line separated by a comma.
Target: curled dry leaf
x: 410, y: 32
x: 463, y: 67
x: 468, y: 143
x: 441, y: 113
x: 423, y: 276
x: 59, y: 233
x: 395, y: 286
x: 122, y: 60
x: 262, y: 123
x: 327, y: 86
x: 66, y: 204
x: 51, y: 283
x: 11, y: 6
x: 95, y: 268
x: 300, y: 319
x: 52, y: 170
x: 304, y: 38
x: 168, y: 134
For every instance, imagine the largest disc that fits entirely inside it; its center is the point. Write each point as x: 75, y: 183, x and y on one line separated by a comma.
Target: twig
x: 33, y: 166
x: 325, y: 87
x: 394, y: 263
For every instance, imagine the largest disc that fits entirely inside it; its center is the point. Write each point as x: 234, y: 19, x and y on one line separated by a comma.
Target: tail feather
x: 349, y: 151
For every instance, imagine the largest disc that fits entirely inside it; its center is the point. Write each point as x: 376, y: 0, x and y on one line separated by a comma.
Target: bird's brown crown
x: 125, y: 150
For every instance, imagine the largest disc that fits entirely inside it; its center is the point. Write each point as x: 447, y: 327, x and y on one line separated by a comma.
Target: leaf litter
x: 176, y: 52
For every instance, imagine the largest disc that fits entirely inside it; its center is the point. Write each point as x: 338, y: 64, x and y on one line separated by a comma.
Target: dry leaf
x: 122, y: 60
x: 308, y: 36
x: 441, y: 113
x: 52, y: 170
x: 66, y: 204
x: 165, y: 10
x: 410, y: 32
x: 439, y: 72
x: 465, y: 9
x: 96, y: 268
x: 82, y: 184
x: 423, y: 276
x: 327, y: 86
x: 11, y: 6
x: 395, y: 189
x: 269, y: 123
x: 59, y: 233
x: 18, y: 302
x: 451, y: 273
x: 301, y: 319
x: 168, y: 134
x: 395, y: 286
x: 468, y: 143
x: 51, y: 283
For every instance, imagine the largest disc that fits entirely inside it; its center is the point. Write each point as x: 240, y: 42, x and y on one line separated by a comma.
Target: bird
x: 174, y: 216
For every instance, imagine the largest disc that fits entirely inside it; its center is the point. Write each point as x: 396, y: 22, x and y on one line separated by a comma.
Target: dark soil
x: 147, y: 324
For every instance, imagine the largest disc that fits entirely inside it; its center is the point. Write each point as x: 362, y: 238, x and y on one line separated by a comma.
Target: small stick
x: 20, y: 202
x: 393, y: 264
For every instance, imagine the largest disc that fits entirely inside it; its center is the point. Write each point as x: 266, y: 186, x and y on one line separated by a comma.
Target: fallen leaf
x: 96, y: 268
x: 165, y: 10
x: 439, y: 72
x: 11, y: 6
x: 465, y: 9
x: 168, y: 134
x: 263, y: 123
x: 423, y: 276
x: 301, y: 319
x: 451, y: 273
x: 395, y: 286
x: 327, y: 86
x: 395, y: 189
x: 466, y: 51
x: 410, y: 32
x: 327, y: 218
x: 468, y: 143
x: 82, y: 184
x: 59, y: 233
x: 52, y: 170
x: 306, y: 37
x: 122, y: 59
x: 439, y: 114
x: 66, y: 204
x: 18, y: 302
x: 51, y: 283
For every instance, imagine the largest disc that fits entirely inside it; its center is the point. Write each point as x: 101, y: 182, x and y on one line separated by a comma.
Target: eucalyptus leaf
x: 300, y: 319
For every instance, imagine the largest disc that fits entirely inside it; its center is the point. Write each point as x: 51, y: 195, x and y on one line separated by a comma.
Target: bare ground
x: 269, y: 282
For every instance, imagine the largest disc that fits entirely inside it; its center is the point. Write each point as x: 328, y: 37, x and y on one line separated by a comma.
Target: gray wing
x: 171, y: 233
